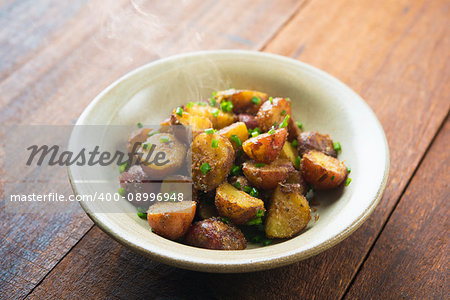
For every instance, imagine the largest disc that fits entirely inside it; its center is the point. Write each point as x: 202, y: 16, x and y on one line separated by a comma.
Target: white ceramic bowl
x: 319, y: 101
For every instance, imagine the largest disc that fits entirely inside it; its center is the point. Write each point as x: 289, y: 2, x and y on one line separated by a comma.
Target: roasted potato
x: 215, y: 234
x: 239, y: 182
x: 310, y: 140
x: 161, y: 155
x: 165, y: 126
x: 188, y: 126
x: 178, y: 184
x: 244, y: 101
x: 267, y: 176
x: 295, y: 177
x: 272, y: 113
x: 322, y: 171
x: 293, y: 130
x: 136, y: 138
x: 171, y: 219
x: 291, y: 153
x: 210, y: 166
x: 218, y: 118
x: 288, y: 213
x: 238, y: 129
x: 265, y: 147
x: 237, y: 205
x: 249, y: 120
x: 135, y: 180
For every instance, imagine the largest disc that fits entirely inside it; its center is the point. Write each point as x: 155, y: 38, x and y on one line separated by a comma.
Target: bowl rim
x: 256, y: 265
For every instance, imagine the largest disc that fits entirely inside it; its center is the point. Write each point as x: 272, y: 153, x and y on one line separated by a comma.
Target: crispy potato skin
x: 289, y: 213
x: 239, y: 129
x: 249, y: 120
x: 289, y: 152
x: 293, y: 130
x: 137, y: 137
x: 135, y: 180
x: 220, y: 121
x: 268, y: 176
x: 215, y: 234
x: 171, y: 219
x: 242, y: 100
x: 265, y: 147
x: 174, y: 151
x: 272, y: 113
x: 322, y: 171
x: 295, y: 177
x: 189, y: 126
x: 310, y: 140
x: 236, y: 205
x: 220, y: 160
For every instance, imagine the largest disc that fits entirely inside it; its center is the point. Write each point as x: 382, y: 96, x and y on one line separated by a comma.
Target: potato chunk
x: 161, y: 155
x: 273, y: 113
x: 188, y: 124
x: 136, y: 138
x: 238, y: 129
x: 288, y: 214
x: 171, y: 219
x: 296, y: 178
x: 310, y: 140
x: 267, y: 176
x: 210, y: 166
x: 291, y: 153
x: 237, y: 205
x: 244, y: 101
x: 265, y: 147
x: 218, y: 118
x: 215, y: 234
x: 322, y: 171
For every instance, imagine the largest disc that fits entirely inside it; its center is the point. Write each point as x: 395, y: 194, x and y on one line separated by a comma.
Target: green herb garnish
x: 254, y: 193
x: 300, y: 125
x: 209, y: 131
x: 294, y: 143
x: 190, y: 104
x: 139, y: 125
x: 164, y: 139
x: 121, y: 191
x: 255, y: 221
x: 214, y: 143
x: 205, y: 168
x: 332, y: 178
x: 260, y: 213
x: 285, y: 122
x: 267, y: 242
x: 347, y: 182
x: 226, y: 220
x: 283, y: 112
x: 247, y: 189
x: 236, y: 140
x: 297, y: 161
x: 337, y: 146
x: 271, y: 100
x: 237, y: 185
x: 236, y: 170
x: 141, y: 213
x: 256, y: 100
x: 215, y: 112
x: 212, y: 101
x: 226, y: 106
x: 259, y: 165
x: 271, y: 131
x: 349, y: 170
x: 123, y: 167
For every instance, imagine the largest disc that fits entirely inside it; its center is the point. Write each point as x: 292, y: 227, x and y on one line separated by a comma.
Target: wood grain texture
x: 55, y: 58
x: 410, y: 258
x: 395, y: 54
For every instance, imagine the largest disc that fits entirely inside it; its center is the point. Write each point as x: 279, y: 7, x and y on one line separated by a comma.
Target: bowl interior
x: 319, y: 101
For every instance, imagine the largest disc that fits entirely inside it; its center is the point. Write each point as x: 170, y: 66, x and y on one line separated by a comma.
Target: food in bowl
x: 252, y: 168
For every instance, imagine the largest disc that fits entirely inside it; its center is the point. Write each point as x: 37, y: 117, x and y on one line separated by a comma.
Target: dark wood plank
x: 410, y: 258
x: 384, y: 50
x: 70, y: 61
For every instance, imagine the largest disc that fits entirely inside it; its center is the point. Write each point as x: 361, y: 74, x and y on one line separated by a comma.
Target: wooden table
x: 55, y: 56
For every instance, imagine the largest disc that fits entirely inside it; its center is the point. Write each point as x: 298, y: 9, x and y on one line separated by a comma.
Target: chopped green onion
x: 255, y: 133
x: 145, y: 146
x: 271, y: 100
x: 226, y: 220
x: 139, y: 125
x: 271, y: 131
x: 256, y: 239
x: 300, y: 125
x: 215, y: 112
x: 141, y: 213
x: 247, y: 189
x: 205, y: 168
x: 255, y: 221
x: 294, y: 143
x: 349, y: 170
x: 236, y: 170
x: 214, y: 94
x: 209, y: 131
x: 179, y: 111
x: 190, y: 104
x: 283, y: 112
x: 267, y: 242
x: 236, y: 140
x: 226, y: 106
x: 164, y: 139
x: 332, y: 178
x: 256, y: 100
x: 214, y: 143
x: 288, y: 99
x: 337, y: 146
x: 237, y: 185
x: 121, y: 191
x: 254, y: 192
x: 259, y: 165
x: 285, y: 122
x: 259, y: 213
x: 297, y: 161
x: 347, y: 182
x: 123, y: 167
x: 212, y: 101
x: 152, y: 133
